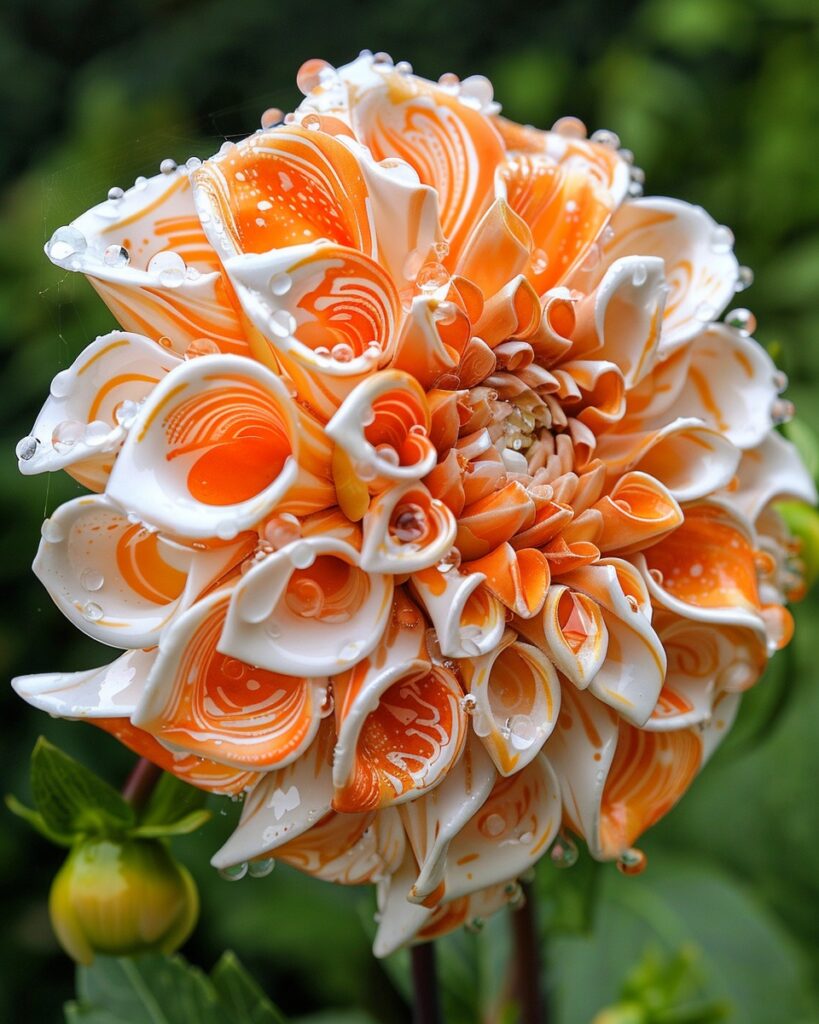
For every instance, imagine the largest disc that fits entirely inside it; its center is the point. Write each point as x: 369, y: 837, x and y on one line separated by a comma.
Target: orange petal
x: 519, y: 579
x: 638, y: 512
x: 493, y: 520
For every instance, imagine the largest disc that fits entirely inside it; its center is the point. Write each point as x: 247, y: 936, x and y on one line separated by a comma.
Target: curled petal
x: 468, y: 620
x: 638, y: 512
x: 519, y: 579
x: 216, y: 446
x: 348, y: 849
x: 601, y: 398
x: 700, y: 267
x: 432, y: 821
x: 284, y: 187
x: 204, y: 702
x: 620, y: 322
x: 690, y: 458
x: 572, y: 632
x: 117, y: 581
x: 400, y: 736
x: 191, y: 768
x: 772, y: 470
x: 163, y: 279
x: 284, y: 803
x: 111, y: 691
x: 383, y: 426
x: 564, y: 557
x: 308, y: 607
x: 406, y: 530
x: 493, y: 520
x: 100, y: 390
x: 423, y: 351
x: 517, y: 698
x: 731, y: 385
x: 509, y: 834
x: 512, y: 311
x: 631, y: 676
x: 497, y: 250
x: 446, y: 482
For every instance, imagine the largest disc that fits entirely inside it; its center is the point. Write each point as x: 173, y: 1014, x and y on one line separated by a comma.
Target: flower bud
x: 803, y: 522
x: 122, y: 897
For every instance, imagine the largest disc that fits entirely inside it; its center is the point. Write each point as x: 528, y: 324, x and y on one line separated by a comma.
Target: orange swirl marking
x: 141, y: 565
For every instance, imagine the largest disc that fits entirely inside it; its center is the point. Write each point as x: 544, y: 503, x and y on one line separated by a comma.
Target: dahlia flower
x: 431, y: 500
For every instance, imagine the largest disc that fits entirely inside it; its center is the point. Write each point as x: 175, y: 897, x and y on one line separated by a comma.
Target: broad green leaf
x: 171, y: 801
x: 182, y: 827
x: 241, y: 995
x: 71, y: 798
x: 145, y: 990
x: 37, y: 822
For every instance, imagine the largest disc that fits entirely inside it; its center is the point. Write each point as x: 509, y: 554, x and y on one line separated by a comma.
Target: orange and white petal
x: 494, y: 519
x: 326, y: 315
x: 686, y: 455
x: 772, y: 470
x: 621, y: 320
x: 518, y: 578
x: 400, y: 736
x: 383, y: 426
x: 283, y: 804
x: 700, y: 267
x: 406, y: 530
x: 111, y: 691
x: 497, y: 250
x: 194, y: 769
x: 308, y: 608
x: 637, y: 512
x: 509, y: 834
x: 91, y: 405
x: 571, y: 631
x: 468, y: 620
x: 433, y: 820
x: 217, y: 445
x: 201, y: 701
x: 517, y: 701
x: 150, y: 261
x: 288, y: 186
x: 731, y: 385
x: 348, y: 849
x: 452, y: 147
x: 116, y: 580
x: 631, y: 676
x: 601, y: 162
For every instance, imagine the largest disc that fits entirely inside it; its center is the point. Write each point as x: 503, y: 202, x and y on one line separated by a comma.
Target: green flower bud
x: 623, y: 1013
x: 803, y: 522
x: 121, y: 897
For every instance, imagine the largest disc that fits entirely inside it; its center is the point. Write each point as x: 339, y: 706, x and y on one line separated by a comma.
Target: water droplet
x: 639, y: 275
x: 308, y: 77
x: 141, y: 183
x: 235, y: 872
x: 409, y: 523
x: 742, y: 319
x: 282, y: 323
x: 26, y: 448
x: 261, y: 868
x: 280, y: 284
x: 281, y: 530
x: 65, y: 243
x: 475, y: 925
x: 167, y: 166
x: 449, y: 81
x: 592, y: 258
x: 563, y: 852
x: 722, y: 239
x: 342, y: 352
x: 61, y: 384
x: 302, y: 555
x: 52, y: 531
x: 570, y: 128
x: 745, y: 278
x: 116, y: 256
x: 477, y: 92
x: 305, y: 597
x: 193, y: 163
x: 382, y: 59
x: 431, y: 277
x: 92, y: 611
x: 605, y: 137
x: 782, y: 411
x: 365, y: 471
x: 169, y: 266
x: 91, y: 580
x: 451, y: 560
x: 202, y: 347
x: 632, y: 862
x: 226, y: 529
x: 66, y: 434
x: 540, y: 261
x: 493, y: 825
x: 115, y: 194
x: 233, y: 669
x: 271, y: 117
x: 350, y: 651
x: 780, y: 380
x: 96, y: 433
x: 403, y: 67
x: 468, y: 703
x: 522, y: 732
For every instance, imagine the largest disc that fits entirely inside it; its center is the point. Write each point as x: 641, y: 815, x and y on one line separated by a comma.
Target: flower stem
x: 140, y: 782
x: 426, y: 1004
x: 533, y: 1007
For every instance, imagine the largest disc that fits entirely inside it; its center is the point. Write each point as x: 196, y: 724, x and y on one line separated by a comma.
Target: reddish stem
x: 533, y: 1008
x: 426, y: 1004
x: 140, y: 782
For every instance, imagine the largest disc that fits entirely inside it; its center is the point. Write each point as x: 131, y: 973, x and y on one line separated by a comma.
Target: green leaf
x: 171, y: 801
x: 240, y: 993
x: 72, y: 799
x: 190, y: 823
x: 37, y: 822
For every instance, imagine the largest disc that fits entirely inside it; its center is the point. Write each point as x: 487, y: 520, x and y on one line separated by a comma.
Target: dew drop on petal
x: 115, y: 256
x: 261, y: 868
x: 540, y: 261
x: 66, y: 242
x: 52, y: 532
x: 170, y: 268
x: 563, y: 852
x: 281, y: 530
x: 66, y: 434
x: 202, y: 347
x: 493, y: 825
x: 61, y: 384
x: 342, y: 352
x: 193, y: 163
x: 167, y: 166
x: 468, y: 703
x: 742, y: 319
x: 570, y: 128
x: 403, y: 67
x: 382, y: 59
x: 26, y: 448
x: 92, y: 611
x: 722, y: 239
x: 234, y: 873
x: 522, y: 732
x: 451, y: 560
x: 431, y: 277
x: 632, y: 862
x: 302, y: 555
x: 745, y: 278
x: 271, y: 117
x: 308, y: 77
x: 91, y: 580
x: 280, y: 284
x: 449, y: 81
x: 605, y: 137
x: 409, y: 523
x: 282, y: 323
x: 115, y: 194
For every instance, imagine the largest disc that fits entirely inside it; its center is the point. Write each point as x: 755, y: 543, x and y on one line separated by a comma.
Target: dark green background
x: 719, y: 99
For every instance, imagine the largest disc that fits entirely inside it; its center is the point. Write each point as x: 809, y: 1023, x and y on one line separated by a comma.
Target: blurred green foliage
x: 719, y: 99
